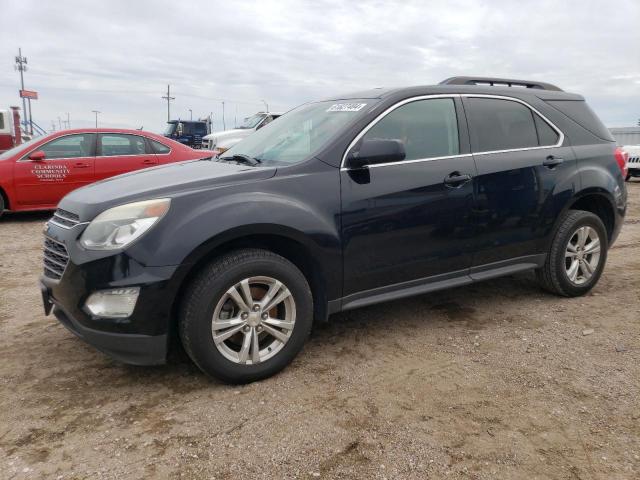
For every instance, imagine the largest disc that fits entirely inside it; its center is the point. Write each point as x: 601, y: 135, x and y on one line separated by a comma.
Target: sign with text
x: 29, y: 94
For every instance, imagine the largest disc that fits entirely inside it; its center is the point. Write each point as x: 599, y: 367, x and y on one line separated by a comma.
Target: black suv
x: 342, y: 203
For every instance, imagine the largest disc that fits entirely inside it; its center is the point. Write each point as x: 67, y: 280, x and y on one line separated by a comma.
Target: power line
x: 146, y: 92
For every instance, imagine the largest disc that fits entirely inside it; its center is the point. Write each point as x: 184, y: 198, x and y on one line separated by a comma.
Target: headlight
x: 119, y: 226
x: 220, y: 150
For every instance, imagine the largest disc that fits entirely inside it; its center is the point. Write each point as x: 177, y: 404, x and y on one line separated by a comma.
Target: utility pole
x: 266, y: 105
x: 168, y: 98
x: 59, y: 123
x: 21, y: 66
x: 224, y: 126
x: 68, y: 121
x: 191, y: 114
x: 30, y: 117
x: 96, y: 112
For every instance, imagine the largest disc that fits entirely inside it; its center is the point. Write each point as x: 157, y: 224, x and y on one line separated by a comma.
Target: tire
x: 628, y: 177
x: 554, y: 276
x: 207, y: 296
x: 1, y: 204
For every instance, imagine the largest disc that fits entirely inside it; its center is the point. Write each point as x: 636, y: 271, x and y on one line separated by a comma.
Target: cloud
x: 118, y: 56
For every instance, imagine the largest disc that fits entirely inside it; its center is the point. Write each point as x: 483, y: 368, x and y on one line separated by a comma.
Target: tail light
x: 622, y: 158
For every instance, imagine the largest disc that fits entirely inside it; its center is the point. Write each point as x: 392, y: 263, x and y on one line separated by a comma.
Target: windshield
x: 171, y: 128
x: 252, y: 121
x: 23, y: 146
x: 298, y: 134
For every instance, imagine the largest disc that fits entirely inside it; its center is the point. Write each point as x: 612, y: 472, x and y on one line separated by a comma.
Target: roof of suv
x: 467, y: 85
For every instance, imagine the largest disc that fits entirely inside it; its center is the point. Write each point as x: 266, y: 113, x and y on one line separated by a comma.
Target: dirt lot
x: 497, y: 380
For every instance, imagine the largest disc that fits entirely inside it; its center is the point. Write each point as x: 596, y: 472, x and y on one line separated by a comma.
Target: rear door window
x: 497, y: 124
x: 116, y: 144
x: 428, y: 128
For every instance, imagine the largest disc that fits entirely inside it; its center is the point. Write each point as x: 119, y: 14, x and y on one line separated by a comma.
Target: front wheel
x: 577, y: 255
x: 246, y: 316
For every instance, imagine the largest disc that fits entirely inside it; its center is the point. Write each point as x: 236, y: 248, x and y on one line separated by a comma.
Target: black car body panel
x: 369, y: 234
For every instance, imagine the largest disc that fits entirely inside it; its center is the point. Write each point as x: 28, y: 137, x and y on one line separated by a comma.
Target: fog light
x: 114, y: 303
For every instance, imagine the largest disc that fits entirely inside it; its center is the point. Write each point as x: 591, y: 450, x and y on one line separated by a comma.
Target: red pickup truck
x: 37, y: 174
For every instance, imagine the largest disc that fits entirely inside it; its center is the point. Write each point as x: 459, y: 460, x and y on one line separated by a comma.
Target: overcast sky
x: 118, y: 56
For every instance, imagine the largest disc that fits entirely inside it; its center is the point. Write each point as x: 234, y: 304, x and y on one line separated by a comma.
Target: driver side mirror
x: 376, y: 151
x: 37, y: 156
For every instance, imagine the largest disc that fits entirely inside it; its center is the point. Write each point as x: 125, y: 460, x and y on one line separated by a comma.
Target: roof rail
x: 499, y: 82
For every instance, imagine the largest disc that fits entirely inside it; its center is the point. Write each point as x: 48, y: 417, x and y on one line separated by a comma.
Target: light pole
x: 224, y: 126
x: 68, y: 121
x: 191, y: 114
x: 266, y: 105
x: 96, y: 112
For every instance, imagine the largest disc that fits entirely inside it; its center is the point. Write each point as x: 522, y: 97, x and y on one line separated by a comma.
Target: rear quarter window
x: 581, y: 113
x: 159, y: 147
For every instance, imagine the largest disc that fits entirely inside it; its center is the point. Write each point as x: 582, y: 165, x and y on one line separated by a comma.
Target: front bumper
x: 140, y: 339
x: 125, y: 347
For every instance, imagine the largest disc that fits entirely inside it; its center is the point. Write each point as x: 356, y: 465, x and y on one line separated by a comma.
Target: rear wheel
x: 577, y: 255
x: 246, y: 316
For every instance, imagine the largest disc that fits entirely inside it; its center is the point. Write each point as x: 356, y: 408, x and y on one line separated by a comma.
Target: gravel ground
x: 495, y: 380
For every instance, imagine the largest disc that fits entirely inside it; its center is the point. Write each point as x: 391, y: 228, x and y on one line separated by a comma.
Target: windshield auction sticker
x: 346, y: 107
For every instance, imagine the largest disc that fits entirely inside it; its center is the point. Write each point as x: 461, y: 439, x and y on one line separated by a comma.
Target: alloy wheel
x: 253, y: 320
x: 582, y: 255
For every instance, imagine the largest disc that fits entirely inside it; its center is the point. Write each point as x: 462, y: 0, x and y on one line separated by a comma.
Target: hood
x: 163, y: 181
x: 226, y: 134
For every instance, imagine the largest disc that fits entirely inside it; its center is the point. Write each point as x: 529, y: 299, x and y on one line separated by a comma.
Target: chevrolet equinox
x: 341, y: 203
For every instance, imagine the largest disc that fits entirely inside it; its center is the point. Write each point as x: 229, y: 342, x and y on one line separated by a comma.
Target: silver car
x: 223, y: 140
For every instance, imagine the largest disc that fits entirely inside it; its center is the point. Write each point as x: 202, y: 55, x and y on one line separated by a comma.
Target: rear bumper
x: 125, y: 347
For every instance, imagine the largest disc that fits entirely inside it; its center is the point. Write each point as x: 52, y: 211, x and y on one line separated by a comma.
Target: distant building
x: 626, y: 135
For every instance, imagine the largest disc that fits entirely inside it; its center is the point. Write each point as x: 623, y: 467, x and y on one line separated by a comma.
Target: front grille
x: 634, y: 160
x: 56, y: 258
x: 65, y: 219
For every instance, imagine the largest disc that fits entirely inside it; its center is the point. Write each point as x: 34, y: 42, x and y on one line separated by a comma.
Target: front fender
x: 303, y: 207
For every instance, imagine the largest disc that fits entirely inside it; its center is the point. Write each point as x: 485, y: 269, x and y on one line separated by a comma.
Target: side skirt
x: 437, y: 282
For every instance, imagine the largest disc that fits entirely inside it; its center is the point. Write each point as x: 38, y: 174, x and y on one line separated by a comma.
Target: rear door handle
x: 81, y: 165
x: 457, y: 179
x: 552, y: 161
x: 149, y: 162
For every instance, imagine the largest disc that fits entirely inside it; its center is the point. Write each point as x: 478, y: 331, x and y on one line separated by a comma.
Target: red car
x: 37, y: 174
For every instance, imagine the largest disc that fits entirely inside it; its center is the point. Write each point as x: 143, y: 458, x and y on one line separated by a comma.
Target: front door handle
x: 551, y: 161
x: 457, y: 179
x: 149, y: 162
x: 81, y: 165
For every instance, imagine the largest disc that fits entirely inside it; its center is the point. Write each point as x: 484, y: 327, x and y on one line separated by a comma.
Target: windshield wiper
x: 241, y: 158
